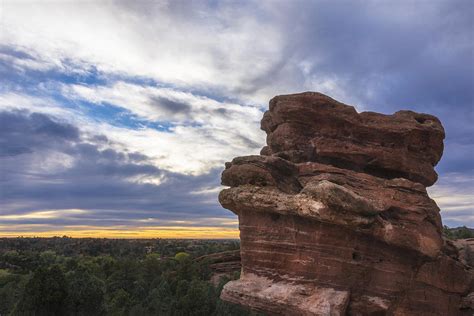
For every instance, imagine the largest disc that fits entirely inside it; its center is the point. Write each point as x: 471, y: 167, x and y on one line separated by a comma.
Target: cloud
x: 193, y: 142
x: 454, y: 196
x: 155, y: 103
x: 42, y: 133
x: 201, y: 133
x: 358, y: 50
x: 42, y: 215
x: 65, y: 169
x: 156, y: 37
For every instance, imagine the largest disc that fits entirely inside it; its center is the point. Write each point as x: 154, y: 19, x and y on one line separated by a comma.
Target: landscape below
x: 91, y: 276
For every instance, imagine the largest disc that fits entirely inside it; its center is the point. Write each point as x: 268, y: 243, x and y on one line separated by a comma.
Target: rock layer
x: 334, y: 216
x: 222, y: 264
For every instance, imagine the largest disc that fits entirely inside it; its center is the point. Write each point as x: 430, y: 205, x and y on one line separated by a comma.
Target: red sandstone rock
x: 313, y: 127
x: 466, y: 250
x: 335, y: 219
x: 283, y: 298
x: 222, y: 264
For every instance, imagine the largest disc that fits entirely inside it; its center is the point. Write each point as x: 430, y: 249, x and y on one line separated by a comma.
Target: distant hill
x: 458, y: 232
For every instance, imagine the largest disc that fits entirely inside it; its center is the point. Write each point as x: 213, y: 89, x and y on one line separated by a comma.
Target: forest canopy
x: 67, y: 276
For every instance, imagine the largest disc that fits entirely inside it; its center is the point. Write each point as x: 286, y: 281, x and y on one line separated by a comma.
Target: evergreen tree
x: 45, y: 293
x: 86, y: 294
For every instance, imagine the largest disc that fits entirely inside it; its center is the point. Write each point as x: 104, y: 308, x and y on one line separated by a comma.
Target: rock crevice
x: 334, y: 216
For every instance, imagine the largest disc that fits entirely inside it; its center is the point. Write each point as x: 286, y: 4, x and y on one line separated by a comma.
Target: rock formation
x: 466, y: 250
x: 334, y: 216
x: 222, y: 264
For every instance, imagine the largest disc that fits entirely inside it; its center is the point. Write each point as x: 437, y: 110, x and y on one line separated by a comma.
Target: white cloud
x: 165, y: 104
x: 454, y: 195
x: 208, y: 48
x: 29, y: 63
x: 207, y: 133
x: 209, y: 190
x: 44, y: 214
x: 19, y: 101
x: 187, y: 148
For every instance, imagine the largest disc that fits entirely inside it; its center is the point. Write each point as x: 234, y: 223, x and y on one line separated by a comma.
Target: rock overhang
x: 314, y: 127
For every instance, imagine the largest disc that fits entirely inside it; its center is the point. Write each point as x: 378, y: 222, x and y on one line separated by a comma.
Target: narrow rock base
x: 282, y: 298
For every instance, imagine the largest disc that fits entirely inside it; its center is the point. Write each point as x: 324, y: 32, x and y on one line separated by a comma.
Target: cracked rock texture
x: 335, y: 219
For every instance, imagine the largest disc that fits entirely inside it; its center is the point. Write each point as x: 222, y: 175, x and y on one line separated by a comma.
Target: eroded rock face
x: 222, y: 264
x: 335, y: 219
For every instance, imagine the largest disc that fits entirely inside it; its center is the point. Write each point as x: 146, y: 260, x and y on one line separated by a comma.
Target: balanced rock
x: 334, y: 216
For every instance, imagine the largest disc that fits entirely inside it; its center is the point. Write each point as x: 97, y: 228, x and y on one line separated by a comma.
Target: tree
x: 86, y: 294
x: 11, y: 286
x: 124, y: 276
x: 44, y: 294
x: 58, y: 276
x: 160, y: 301
x: 120, y: 303
x: 48, y: 258
x: 152, y: 267
x: 198, y: 300
x: 181, y: 256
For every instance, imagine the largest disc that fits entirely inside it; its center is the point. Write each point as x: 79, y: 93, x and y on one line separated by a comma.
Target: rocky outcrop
x: 224, y: 261
x: 334, y: 216
x: 466, y: 250
x: 222, y: 264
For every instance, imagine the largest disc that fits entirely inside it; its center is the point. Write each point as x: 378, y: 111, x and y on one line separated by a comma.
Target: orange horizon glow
x: 164, y: 233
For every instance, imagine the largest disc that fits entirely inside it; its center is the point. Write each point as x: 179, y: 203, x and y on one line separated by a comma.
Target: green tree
x: 464, y: 233
x: 447, y: 232
x: 86, y: 294
x: 120, y: 303
x: 160, y: 301
x: 181, y: 256
x: 107, y: 265
x: 458, y: 233
x: 11, y: 286
x: 152, y: 268
x: 198, y: 300
x: 48, y: 257
x: 44, y: 294
x: 124, y: 277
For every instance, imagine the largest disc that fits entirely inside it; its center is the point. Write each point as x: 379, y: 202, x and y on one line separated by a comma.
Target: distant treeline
x: 458, y: 232
x: 67, y: 276
x: 68, y: 246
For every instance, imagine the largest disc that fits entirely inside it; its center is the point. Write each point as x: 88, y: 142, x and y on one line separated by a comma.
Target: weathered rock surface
x: 313, y: 127
x: 283, y: 298
x: 335, y: 219
x: 222, y: 264
x: 466, y: 250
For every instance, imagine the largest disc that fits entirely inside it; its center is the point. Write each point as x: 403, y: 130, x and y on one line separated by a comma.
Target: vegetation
x: 66, y: 276
x: 458, y: 232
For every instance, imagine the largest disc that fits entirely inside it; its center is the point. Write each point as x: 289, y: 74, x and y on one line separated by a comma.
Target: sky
x: 116, y: 117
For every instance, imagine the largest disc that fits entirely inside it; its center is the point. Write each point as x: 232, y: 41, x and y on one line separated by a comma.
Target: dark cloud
x: 58, y: 169
x: 391, y: 55
x: 26, y: 133
x: 388, y: 56
x: 168, y: 105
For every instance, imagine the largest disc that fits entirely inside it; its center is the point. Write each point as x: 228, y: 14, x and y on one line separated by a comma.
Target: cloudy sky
x: 116, y: 117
